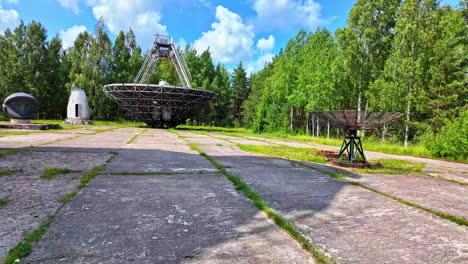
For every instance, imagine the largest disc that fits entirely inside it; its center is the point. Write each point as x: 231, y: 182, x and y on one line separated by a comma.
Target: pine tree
x: 241, y: 90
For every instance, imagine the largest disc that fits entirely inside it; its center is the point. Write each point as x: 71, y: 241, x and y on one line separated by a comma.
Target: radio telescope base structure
x: 351, y: 152
x: 159, y: 105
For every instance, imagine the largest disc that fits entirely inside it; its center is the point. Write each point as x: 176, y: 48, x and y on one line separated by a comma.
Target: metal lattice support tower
x: 164, y: 49
x: 160, y: 105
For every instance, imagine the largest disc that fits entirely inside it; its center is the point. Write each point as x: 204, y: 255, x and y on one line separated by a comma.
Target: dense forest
x: 407, y: 56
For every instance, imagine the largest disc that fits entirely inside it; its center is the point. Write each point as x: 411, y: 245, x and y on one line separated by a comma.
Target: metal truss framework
x: 352, y: 120
x: 159, y: 106
x: 164, y: 49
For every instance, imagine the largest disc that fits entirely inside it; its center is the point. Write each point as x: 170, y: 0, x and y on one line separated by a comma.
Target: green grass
x: 23, y: 248
x: 122, y: 123
x: 51, y: 173
x: 216, y: 129
x: 304, y: 154
x: 9, y: 172
x: 66, y: 198
x: 89, y: 176
x: 368, y: 144
x: 241, y: 186
x: 10, y: 151
x: 4, y: 133
x: 135, y: 136
x: 393, y: 166
x: 3, y: 202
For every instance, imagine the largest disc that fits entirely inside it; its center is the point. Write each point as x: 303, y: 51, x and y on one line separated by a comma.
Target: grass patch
x: 261, y: 205
x: 122, y: 123
x: 212, y: 128
x: 371, y: 144
x: 89, y: 176
x: 10, y: 151
x: 23, y: 248
x: 304, y: 154
x: 14, y: 133
x: 392, y: 166
x: 113, y: 154
x: 3, y: 202
x: 9, y: 172
x: 51, y: 173
x: 135, y: 136
x: 66, y: 198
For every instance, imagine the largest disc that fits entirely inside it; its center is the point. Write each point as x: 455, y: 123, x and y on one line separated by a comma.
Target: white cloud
x: 140, y: 15
x: 283, y: 14
x: 206, y: 3
x: 70, y: 4
x: 8, y: 19
x: 266, y: 45
x: 229, y: 40
x: 69, y: 36
x: 259, y: 63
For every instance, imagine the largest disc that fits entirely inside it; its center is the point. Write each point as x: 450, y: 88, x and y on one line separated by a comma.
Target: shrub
x: 452, y: 140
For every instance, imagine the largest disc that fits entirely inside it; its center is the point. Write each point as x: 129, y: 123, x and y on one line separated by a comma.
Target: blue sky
x: 249, y: 30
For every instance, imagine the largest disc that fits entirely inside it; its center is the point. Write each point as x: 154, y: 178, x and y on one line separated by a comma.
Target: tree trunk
x: 318, y: 127
x: 291, y: 115
x: 313, y: 125
x: 328, y: 129
x: 408, y: 106
x: 307, y: 124
x: 384, y: 131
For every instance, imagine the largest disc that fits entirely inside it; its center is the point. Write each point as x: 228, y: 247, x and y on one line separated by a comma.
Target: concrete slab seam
x: 24, y: 247
x: 241, y: 186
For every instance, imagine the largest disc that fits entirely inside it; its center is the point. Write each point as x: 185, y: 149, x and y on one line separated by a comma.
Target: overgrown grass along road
x: 370, y: 144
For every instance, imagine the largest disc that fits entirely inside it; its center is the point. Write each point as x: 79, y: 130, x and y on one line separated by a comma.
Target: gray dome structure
x: 21, y: 106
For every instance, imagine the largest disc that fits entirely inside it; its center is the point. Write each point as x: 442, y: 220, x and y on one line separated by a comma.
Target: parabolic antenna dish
x: 351, y: 152
x: 159, y: 105
x: 350, y: 120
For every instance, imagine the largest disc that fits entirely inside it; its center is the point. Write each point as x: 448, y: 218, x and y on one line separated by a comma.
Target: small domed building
x: 77, y: 109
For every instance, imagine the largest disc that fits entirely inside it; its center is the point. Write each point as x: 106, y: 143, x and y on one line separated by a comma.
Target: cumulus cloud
x: 70, y: 4
x: 259, y: 63
x: 140, y: 15
x: 229, y: 40
x: 266, y: 45
x: 283, y: 14
x: 69, y: 36
x: 8, y: 19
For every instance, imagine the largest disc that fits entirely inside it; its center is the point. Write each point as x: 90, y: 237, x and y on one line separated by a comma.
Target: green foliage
x: 3, y: 202
x: 304, y: 154
x: 392, y: 166
x: 452, y: 141
x: 21, y: 250
x: 9, y: 172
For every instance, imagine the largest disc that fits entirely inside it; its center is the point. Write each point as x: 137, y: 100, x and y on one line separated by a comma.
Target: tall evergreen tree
x: 240, y: 89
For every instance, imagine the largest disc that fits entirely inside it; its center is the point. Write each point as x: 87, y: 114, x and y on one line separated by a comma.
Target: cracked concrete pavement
x: 159, y: 201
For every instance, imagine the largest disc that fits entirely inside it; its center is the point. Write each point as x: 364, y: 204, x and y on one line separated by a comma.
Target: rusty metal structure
x: 160, y: 105
x: 351, y: 121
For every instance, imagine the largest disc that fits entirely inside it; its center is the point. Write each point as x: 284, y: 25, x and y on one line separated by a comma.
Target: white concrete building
x: 78, y: 109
